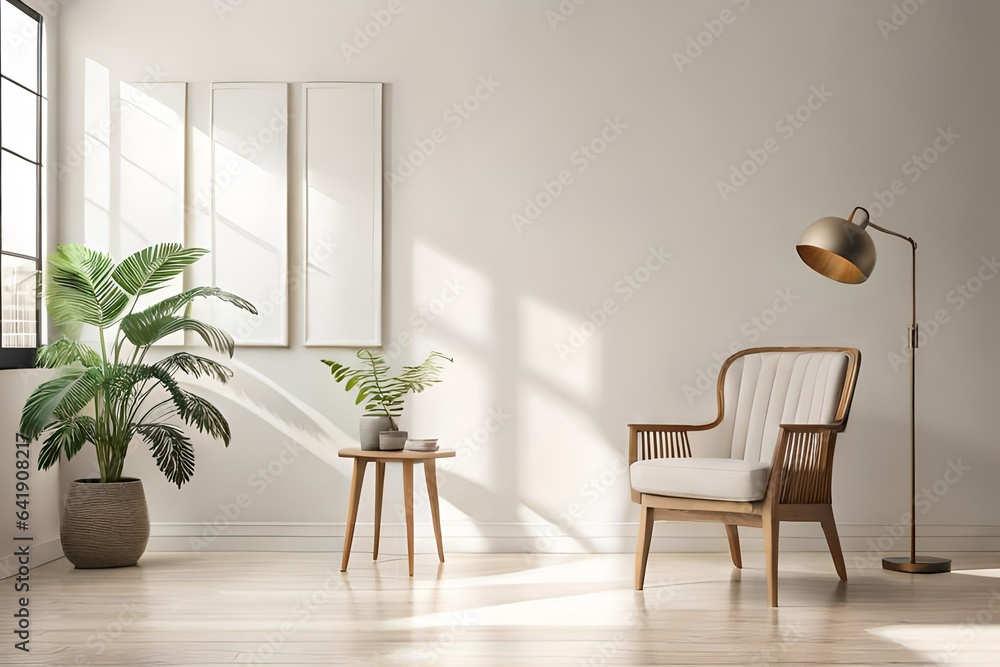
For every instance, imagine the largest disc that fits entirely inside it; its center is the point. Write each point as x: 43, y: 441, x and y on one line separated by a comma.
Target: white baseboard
x: 545, y: 538
x: 41, y: 553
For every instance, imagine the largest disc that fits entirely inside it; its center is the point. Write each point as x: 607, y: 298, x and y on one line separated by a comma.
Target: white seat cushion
x: 708, y: 479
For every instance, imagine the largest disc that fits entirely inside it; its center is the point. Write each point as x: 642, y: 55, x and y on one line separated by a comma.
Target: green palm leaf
x: 144, y: 328
x: 63, y: 396
x: 172, y: 450
x: 64, y: 352
x: 152, y: 268
x: 66, y: 436
x: 172, y: 304
x: 205, y: 417
x: 129, y: 382
x: 195, y: 366
x: 80, y: 287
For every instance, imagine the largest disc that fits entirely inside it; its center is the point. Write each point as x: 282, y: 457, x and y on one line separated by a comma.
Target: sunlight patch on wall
x: 554, y: 436
x: 543, y: 330
x: 96, y: 154
x: 283, y: 411
x: 448, y: 294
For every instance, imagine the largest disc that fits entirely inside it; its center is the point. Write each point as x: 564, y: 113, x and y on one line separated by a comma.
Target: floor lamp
x: 843, y: 251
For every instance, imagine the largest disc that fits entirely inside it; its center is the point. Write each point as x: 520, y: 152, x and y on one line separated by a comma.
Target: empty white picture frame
x: 343, y: 213
x: 250, y: 208
x: 152, y: 172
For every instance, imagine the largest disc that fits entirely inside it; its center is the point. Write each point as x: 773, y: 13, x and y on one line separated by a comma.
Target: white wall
x: 44, y: 499
x: 674, y: 130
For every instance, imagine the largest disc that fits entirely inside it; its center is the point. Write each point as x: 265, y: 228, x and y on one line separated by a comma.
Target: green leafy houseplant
x: 110, y: 397
x: 384, y: 393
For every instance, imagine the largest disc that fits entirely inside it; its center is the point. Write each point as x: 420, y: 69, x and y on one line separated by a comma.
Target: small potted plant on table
x: 383, y: 394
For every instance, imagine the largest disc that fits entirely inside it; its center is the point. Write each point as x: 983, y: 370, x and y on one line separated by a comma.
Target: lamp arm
x: 891, y: 233
x: 868, y: 223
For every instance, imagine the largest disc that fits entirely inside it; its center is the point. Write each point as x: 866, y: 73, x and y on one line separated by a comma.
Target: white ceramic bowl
x: 422, y: 444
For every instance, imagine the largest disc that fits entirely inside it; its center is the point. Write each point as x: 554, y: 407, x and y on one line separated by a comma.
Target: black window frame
x: 24, y: 357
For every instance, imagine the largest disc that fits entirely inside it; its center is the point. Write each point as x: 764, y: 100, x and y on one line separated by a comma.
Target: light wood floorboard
x: 507, y: 609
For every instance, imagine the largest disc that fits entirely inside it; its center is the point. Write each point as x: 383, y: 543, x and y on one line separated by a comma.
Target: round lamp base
x: 922, y: 565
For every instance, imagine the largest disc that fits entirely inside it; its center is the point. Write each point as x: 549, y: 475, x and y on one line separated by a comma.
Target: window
x: 21, y: 151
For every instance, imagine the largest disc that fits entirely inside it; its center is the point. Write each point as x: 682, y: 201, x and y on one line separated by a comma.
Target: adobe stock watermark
x: 790, y: 633
x: 300, y: 613
x: 369, y: 31
x: 250, y: 147
x: 701, y: 41
x: 625, y: 288
x: 751, y: 331
x: 258, y: 482
x: 27, y: 36
x: 562, y: 12
x: 589, y: 493
x: 47, y: 8
x: 224, y: 7
x: 120, y: 108
x: 320, y: 250
x: 786, y: 126
x: 898, y: 17
x: 99, y: 642
x: 580, y: 160
x: 915, y: 167
x: 430, y: 652
x: 970, y: 629
x: 652, y: 604
x: 454, y: 117
x: 958, y: 298
x: 925, y: 499
x: 423, y: 316
x: 465, y: 449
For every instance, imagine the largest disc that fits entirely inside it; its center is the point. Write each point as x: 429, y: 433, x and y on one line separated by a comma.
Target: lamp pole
x: 924, y: 564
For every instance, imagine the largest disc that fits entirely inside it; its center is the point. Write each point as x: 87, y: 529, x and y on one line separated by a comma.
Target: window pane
x: 19, y: 120
x: 18, y: 46
x: 18, y: 288
x: 18, y: 206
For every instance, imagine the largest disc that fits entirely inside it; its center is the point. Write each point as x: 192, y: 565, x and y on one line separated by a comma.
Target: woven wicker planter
x: 104, y: 525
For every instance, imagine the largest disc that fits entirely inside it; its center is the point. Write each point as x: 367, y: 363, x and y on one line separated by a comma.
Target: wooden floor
x: 511, y: 609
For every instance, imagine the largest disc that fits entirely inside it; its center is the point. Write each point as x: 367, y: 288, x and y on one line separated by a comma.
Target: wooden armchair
x: 767, y: 457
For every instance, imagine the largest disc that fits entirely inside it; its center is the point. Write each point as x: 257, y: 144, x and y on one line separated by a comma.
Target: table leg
x: 430, y: 473
x: 379, y: 483
x: 408, y: 503
x: 352, y: 510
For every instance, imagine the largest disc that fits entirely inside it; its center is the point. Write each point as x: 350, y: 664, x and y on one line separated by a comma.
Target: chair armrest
x: 832, y: 427
x: 660, y: 440
x: 668, y: 428
x: 802, y: 466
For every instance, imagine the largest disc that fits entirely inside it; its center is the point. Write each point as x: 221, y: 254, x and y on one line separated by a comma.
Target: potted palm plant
x: 113, y: 396
x: 382, y: 393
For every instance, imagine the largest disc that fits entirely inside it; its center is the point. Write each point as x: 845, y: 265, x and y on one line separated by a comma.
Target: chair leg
x: 770, y: 525
x: 734, y: 545
x: 833, y: 541
x: 642, y: 549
